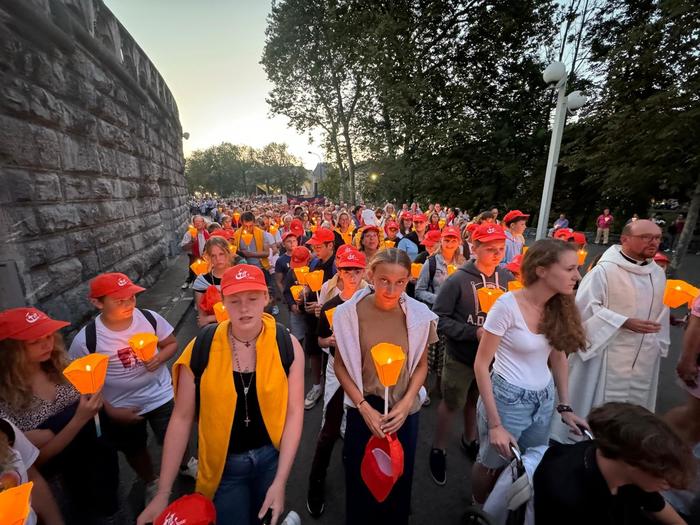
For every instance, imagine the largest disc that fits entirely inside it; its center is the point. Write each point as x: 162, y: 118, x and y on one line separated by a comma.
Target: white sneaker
x: 151, y: 490
x: 191, y: 469
x: 312, y: 397
x: 185, y: 286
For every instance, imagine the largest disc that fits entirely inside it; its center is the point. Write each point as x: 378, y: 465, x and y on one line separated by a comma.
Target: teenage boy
x: 135, y: 392
x: 516, y: 222
x: 460, y: 321
x: 322, y: 243
x: 195, y: 245
x: 351, y: 266
x: 301, y: 256
x: 289, y: 242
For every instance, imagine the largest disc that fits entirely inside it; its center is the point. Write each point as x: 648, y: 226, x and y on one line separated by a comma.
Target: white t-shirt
x: 128, y: 383
x: 521, y: 358
x: 24, y: 455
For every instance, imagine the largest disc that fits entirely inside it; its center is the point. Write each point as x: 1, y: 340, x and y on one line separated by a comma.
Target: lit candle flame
x: 141, y: 342
x: 388, y: 361
x: 88, y: 368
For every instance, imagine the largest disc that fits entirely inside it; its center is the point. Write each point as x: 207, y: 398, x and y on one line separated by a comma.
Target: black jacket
x: 457, y: 307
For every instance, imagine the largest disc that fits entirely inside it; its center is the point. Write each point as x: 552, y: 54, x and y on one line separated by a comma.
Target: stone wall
x: 91, y: 166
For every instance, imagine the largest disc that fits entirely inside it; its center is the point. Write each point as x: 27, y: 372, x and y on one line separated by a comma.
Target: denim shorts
x: 525, y: 414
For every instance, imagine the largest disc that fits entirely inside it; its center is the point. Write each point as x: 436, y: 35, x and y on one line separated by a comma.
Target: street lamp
x: 555, y: 77
x: 315, y: 177
x: 373, y: 176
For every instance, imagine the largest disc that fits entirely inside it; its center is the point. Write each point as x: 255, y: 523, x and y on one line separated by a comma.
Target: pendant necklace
x: 240, y: 371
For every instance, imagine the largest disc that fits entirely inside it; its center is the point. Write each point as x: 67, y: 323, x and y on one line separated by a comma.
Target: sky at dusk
x: 208, y: 52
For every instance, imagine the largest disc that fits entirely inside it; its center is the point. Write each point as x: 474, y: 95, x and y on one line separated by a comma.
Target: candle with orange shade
x: 451, y: 268
x: 296, y: 290
x: 199, y: 267
x: 192, y: 231
x: 488, y: 297
x: 514, y: 285
x: 329, y: 316
x: 582, y: 254
x: 236, y: 216
x: 144, y: 345
x: 388, y: 361
x: 415, y: 270
x: 247, y: 238
x: 389, y: 244
x: 678, y: 292
x: 220, y: 312
x: 15, y: 504
x: 314, y: 280
x: 300, y: 274
x: 87, y: 374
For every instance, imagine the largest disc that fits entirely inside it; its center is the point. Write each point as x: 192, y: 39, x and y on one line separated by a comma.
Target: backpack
x: 91, y: 330
x: 202, y: 345
x: 432, y: 268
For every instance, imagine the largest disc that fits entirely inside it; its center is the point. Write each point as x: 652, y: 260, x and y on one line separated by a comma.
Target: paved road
x: 431, y: 504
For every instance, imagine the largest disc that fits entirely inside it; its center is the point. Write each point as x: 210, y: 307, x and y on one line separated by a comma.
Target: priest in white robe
x: 627, y: 327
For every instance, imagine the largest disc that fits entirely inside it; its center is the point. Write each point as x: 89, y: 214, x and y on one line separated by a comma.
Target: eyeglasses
x: 648, y: 237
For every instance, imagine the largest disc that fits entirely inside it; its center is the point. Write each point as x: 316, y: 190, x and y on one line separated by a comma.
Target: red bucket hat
x: 515, y: 264
x: 27, y: 324
x: 382, y: 465
x: 192, y: 509
x: 116, y: 285
x: 243, y: 278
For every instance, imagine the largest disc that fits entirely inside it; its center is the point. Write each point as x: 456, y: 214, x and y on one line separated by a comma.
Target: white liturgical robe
x: 618, y: 365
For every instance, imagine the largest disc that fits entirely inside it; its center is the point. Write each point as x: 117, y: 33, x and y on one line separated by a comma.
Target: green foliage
x: 228, y: 169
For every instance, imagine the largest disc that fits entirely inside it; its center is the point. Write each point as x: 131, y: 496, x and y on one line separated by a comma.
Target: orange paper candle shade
x: 525, y: 248
x: 296, y: 290
x: 441, y: 223
x: 582, y: 254
x: 312, y: 228
x: 144, y: 345
x: 220, y: 312
x: 514, y: 285
x: 415, y: 270
x: 300, y: 273
x: 236, y: 216
x: 388, y: 360
x: 329, y: 316
x: 87, y: 374
x: 232, y: 248
x: 247, y: 238
x: 200, y: 267
x: 389, y: 244
x: 315, y: 280
x: 451, y: 268
x: 192, y: 230
x: 487, y: 297
x: 273, y: 230
x: 14, y: 504
x: 678, y: 292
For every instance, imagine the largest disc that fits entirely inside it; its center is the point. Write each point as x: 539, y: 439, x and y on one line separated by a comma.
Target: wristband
x: 494, y: 426
x: 564, y: 408
x: 360, y: 403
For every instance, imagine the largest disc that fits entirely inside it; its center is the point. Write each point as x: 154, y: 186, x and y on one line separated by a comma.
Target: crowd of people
x: 514, y: 343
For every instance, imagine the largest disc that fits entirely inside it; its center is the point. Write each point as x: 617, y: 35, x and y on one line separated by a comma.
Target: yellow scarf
x: 259, y: 243
x: 347, y: 236
x: 218, y: 399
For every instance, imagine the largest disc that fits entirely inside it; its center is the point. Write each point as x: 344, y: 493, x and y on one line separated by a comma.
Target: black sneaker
x: 316, y: 498
x: 438, y: 465
x: 470, y: 448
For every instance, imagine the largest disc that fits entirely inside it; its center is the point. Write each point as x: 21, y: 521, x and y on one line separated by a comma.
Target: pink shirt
x: 604, y: 221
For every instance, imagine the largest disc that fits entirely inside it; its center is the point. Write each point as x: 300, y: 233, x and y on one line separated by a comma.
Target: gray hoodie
x: 457, y: 307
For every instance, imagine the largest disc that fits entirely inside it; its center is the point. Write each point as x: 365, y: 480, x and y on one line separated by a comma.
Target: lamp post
x: 314, y: 179
x: 555, y: 77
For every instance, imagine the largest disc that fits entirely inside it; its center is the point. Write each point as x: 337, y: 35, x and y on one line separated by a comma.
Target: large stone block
x: 44, y: 251
x: 79, y: 154
x: 26, y: 145
x: 76, y: 187
x: 57, y: 217
x: 24, y: 222
x: 66, y: 273
x: 33, y: 186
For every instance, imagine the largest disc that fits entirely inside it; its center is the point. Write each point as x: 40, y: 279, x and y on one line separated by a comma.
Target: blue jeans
x: 525, y: 414
x: 244, y: 485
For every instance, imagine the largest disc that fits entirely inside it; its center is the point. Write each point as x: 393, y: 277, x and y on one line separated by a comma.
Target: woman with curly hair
x: 37, y: 399
x: 525, y: 331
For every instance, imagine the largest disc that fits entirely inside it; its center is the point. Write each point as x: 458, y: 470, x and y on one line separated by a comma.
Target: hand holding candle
x: 144, y: 345
x: 87, y: 374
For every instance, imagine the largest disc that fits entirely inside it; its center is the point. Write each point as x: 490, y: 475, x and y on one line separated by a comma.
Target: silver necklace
x: 240, y: 371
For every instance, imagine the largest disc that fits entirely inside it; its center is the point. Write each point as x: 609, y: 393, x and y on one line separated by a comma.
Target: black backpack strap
x: 285, y: 347
x: 91, y: 337
x: 200, y: 357
x: 150, y: 318
x: 432, y: 268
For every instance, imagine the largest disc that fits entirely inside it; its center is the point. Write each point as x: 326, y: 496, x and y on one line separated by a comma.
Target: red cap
x: 661, y: 257
x: 579, y: 238
x: 420, y: 217
x: 320, y: 236
x: 115, y: 285
x: 513, y: 216
x: 370, y: 228
x: 391, y: 225
x: 351, y: 259
x: 344, y: 248
x: 515, y: 263
x: 489, y: 232
x: 300, y: 257
x: 27, y: 324
x: 192, y: 509
x: 226, y: 234
x: 472, y: 226
x: 406, y: 215
x: 243, y: 278
x: 296, y: 227
x: 564, y: 234
x: 288, y: 234
x: 451, y: 231
x: 431, y: 238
